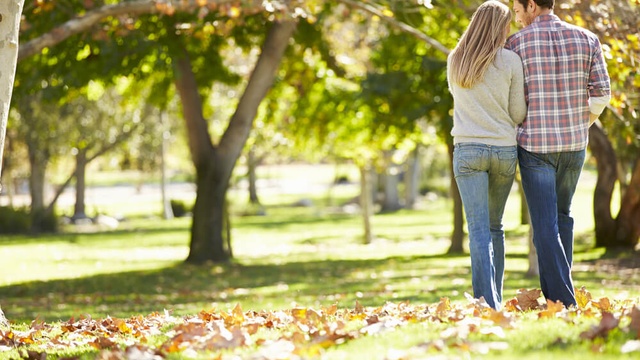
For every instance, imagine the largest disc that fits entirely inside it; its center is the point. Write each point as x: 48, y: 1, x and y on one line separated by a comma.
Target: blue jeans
x: 484, y: 175
x: 549, y: 182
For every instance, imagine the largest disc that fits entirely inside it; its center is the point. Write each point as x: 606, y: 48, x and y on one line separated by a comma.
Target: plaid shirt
x: 563, y: 68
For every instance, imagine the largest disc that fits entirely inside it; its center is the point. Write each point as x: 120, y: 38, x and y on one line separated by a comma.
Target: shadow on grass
x: 188, y: 289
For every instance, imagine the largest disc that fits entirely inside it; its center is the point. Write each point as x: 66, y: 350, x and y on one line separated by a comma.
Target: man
x: 566, y: 87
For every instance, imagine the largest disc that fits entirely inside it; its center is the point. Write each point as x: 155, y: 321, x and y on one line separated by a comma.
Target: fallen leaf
x: 603, y: 304
x: 443, y: 308
x: 583, y: 297
x: 528, y: 299
x: 607, y: 323
x: 552, y: 310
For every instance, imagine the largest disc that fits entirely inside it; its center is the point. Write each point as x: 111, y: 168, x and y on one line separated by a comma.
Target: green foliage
x: 616, y: 23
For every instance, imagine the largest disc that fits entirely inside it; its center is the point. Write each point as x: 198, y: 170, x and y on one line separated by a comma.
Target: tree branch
x: 138, y: 7
x: 83, y: 23
x: 398, y: 24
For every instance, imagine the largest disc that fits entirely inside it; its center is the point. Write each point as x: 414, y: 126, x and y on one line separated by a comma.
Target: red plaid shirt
x: 563, y: 67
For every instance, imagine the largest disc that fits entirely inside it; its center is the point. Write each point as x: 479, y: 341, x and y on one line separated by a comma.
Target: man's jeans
x: 484, y: 175
x: 549, y: 182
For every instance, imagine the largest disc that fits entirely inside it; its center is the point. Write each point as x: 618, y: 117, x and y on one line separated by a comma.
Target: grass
x: 299, y: 256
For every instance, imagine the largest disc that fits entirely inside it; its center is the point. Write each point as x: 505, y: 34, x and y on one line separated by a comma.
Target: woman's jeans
x: 549, y: 182
x: 484, y: 175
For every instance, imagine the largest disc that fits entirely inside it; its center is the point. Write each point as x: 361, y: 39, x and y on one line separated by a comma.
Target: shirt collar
x: 546, y: 17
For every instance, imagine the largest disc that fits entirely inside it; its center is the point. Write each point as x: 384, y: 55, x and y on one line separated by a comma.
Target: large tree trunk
x: 628, y: 220
x: 214, y: 165
x: 457, y: 237
x: 10, y: 12
x: 602, y: 151
x: 624, y: 231
x: 79, y: 211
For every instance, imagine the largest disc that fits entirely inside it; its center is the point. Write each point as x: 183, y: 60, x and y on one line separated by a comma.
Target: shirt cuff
x: 597, y: 104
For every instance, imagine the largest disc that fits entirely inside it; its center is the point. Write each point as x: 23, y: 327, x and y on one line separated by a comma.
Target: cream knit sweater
x: 489, y: 112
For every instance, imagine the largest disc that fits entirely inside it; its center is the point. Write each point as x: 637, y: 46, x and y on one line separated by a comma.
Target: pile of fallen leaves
x: 305, y: 333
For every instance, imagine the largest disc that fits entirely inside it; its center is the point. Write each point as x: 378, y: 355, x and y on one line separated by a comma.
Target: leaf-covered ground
x: 303, y: 333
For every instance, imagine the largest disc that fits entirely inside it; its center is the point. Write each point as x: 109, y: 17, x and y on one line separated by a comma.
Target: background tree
x: 10, y: 15
x: 614, y: 142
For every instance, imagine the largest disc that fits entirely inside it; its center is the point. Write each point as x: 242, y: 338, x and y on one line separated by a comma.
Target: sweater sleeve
x: 517, y: 102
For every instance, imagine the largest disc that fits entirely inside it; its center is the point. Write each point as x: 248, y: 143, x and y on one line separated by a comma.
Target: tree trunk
x: 10, y: 14
x: 366, y: 202
x: 411, y: 178
x: 534, y: 268
x: 391, y: 199
x: 602, y: 151
x: 7, y: 177
x: 38, y: 164
x: 457, y: 237
x: 79, y: 211
x: 252, y: 164
x: 214, y: 165
x: 524, y: 208
x: 167, y: 211
x: 628, y: 220
x: 624, y: 231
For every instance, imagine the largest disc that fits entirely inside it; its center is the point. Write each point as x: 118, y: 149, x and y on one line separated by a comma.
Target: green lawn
x: 311, y: 258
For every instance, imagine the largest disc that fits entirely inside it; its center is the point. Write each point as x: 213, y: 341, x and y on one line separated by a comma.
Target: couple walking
x: 530, y: 96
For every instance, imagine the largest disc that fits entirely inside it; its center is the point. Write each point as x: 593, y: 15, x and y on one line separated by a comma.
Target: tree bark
x: 214, y: 165
x: 457, y: 237
x: 167, y: 211
x: 411, y: 179
x: 366, y: 202
x: 38, y: 164
x: 628, y: 220
x: 252, y: 164
x: 602, y: 151
x: 79, y: 211
x: 391, y: 200
x: 10, y: 14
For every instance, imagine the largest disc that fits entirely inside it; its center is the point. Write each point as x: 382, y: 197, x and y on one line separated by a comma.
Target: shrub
x: 14, y: 220
x: 179, y: 208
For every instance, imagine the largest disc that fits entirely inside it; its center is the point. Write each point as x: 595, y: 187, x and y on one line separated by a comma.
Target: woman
x: 487, y: 84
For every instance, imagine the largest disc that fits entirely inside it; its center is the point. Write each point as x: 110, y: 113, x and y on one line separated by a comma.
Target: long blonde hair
x: 479, y: 44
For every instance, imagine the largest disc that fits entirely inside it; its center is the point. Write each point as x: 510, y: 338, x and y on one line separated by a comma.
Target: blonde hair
x: 479, y: 44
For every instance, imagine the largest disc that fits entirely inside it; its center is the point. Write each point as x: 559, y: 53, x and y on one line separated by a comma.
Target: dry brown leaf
x: 443, y: 308
x: 331, y: 310
x: 103, y: 343
x: 512, y: 306
x: 607, y: 323
x: 528, y: 299
x: 500, y: 318
x: 552, y: 310
x: 604, y: 304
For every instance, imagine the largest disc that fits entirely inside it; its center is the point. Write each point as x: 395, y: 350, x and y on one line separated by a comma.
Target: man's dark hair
x: 547, y: 4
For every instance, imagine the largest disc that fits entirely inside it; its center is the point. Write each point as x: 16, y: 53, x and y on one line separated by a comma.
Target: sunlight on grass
x: 293, y: 256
